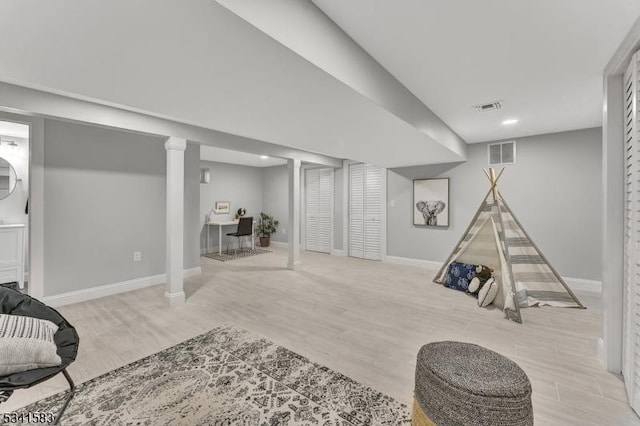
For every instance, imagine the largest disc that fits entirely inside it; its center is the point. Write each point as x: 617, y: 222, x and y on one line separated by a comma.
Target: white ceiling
x: 210, y: 153
x: 15, y: 130
x: 543, y: 58
x: 203, y: 65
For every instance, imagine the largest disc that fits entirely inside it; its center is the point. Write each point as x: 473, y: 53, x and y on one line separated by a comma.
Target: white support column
x: 175, y: 220
x: 294, y: 213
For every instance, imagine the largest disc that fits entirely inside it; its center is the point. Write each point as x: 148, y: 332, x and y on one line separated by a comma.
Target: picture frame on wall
x: 431, y: 202
x: 222, y: 207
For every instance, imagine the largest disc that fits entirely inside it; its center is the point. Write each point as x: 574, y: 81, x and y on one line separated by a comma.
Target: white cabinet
x: 12, y: 254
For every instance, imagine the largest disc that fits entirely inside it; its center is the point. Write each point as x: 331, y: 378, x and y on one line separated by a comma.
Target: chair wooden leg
x: 72, y: 391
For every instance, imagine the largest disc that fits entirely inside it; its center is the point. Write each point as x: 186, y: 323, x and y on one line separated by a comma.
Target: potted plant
x: 267, y: 226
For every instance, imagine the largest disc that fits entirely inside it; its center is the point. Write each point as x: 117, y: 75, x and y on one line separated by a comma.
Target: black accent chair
x: 245, y: 229
x: 66, y: 339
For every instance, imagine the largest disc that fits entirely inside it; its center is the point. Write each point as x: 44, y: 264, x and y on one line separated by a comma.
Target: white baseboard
x: 576, y: 284
x: 278, y: 244
x: 192, y: 272
x: 338, y: 252
x: 580, y: 284
x: 413, y: 262
x: 111, y: 289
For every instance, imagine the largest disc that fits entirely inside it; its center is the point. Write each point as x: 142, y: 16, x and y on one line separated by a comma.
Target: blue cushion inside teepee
x: 459, y: 275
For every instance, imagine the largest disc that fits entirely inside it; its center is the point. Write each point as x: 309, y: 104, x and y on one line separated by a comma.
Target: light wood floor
x: 364, y: 319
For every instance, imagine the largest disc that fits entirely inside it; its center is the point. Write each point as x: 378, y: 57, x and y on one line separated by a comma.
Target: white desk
x: 220, y: 224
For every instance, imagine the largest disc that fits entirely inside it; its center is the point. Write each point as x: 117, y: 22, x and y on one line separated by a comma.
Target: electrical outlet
x: 137, y: 256
x: 392, y: 203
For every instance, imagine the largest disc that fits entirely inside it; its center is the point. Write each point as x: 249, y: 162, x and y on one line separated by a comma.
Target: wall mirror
x: 8, y: 178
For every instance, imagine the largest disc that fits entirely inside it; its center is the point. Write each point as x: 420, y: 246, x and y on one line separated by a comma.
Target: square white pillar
x: 294, y: 213
x: 175, y: 148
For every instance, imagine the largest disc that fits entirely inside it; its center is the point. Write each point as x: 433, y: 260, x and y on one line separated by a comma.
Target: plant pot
x: 264, y: 241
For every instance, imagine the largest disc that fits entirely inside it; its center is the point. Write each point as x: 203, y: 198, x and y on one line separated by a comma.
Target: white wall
x: 12, y: 207
x: 104, y: 198
x: 240, y: 185
x: 554, y: 190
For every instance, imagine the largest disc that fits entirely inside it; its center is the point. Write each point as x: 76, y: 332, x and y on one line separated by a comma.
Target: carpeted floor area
x: 232, y: 255
x: 226, y: 377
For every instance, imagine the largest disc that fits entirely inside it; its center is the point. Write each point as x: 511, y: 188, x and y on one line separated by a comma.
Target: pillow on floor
x: 459, y: 275
x: 26, y: 343
x: 488, y: 292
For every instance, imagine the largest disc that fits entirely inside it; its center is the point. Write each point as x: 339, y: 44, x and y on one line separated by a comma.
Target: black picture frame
x: 429, y: 195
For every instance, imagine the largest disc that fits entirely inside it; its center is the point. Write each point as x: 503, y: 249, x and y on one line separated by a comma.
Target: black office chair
x: 245, y: 229
x: 66, y: 339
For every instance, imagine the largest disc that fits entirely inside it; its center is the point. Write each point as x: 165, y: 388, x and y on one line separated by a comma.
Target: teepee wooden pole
x: 564, y: 284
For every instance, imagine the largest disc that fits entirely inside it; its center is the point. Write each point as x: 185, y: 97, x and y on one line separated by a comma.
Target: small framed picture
x: 222, y: 207
x: 431, y: 202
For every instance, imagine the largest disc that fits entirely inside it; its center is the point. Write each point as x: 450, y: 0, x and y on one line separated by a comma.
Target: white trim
x: 192, y: 272
x: 175, y: 299
x: 278, y: 244
x: 111, y: 289
x: 576, y: 284
x: 581, y: 284
x: 35, y: 231
x: 430, y: 264
x: 613, y: 200
x: 338, y: 252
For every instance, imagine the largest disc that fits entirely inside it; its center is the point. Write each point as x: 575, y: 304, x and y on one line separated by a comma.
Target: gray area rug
x: 224, y: 257
x: 226, y: 377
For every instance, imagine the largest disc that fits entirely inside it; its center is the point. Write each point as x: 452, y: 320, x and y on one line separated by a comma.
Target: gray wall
x: 554, y: 190
x: 104, y: 193
x: 240, y: 185
x: 275, y: 198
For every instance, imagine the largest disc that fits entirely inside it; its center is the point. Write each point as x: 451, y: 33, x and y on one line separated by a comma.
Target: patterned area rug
x: 224, y: 257
x: 226, y: 377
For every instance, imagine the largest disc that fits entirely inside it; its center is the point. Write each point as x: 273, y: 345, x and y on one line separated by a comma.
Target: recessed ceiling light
x: 511, y: 121
x: 264, y: 157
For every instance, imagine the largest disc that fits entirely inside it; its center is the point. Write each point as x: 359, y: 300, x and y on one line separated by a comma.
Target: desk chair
x: 245, y: 229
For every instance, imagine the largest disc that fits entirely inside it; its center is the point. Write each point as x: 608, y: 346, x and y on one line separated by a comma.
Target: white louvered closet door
x: 319, y: 209
x: 325, y: 210
x: 631, y: 313
x: 366, y: 211
x: 356, y: 210
x: 312, y: 207
x: 373, y: 205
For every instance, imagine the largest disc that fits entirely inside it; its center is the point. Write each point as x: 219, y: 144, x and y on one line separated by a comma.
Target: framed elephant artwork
x: 431, y: 202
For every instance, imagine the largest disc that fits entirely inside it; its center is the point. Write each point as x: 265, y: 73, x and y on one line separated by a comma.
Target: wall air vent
x: 491, y: 106
x: 501, y: 154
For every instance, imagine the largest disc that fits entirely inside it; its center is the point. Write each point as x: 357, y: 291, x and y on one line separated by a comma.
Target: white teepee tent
x: 496, y: 239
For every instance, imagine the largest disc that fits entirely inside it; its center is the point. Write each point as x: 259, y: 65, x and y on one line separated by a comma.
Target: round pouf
x: 464, y: 384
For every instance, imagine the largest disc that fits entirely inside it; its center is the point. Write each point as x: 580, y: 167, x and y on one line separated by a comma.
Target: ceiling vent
x: 491, y: 106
